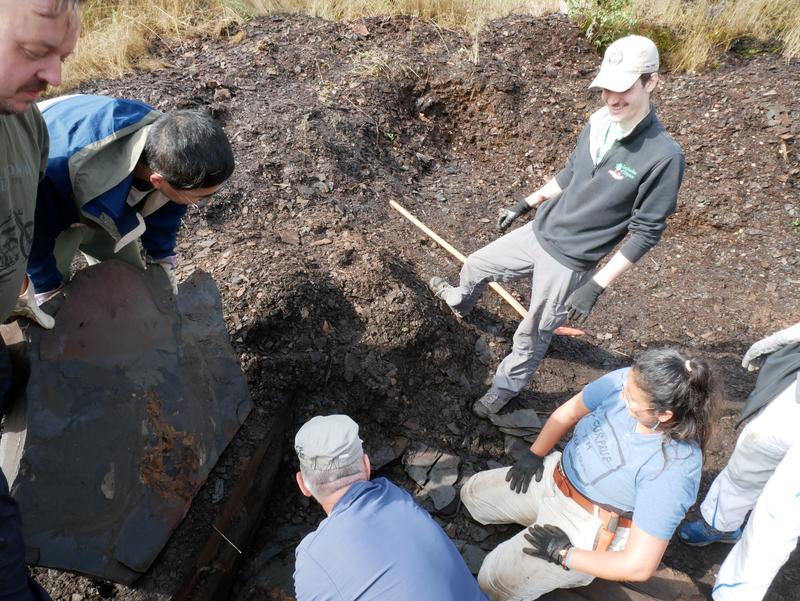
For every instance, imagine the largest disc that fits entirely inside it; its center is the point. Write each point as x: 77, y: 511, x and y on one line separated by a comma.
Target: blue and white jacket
x: 95, y: 144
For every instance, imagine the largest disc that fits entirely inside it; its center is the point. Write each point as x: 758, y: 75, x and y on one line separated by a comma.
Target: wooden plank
x: 565, y: 594
x: 605, y: 590
x: 665, y: 585
x: 670, y: 585
x: 233, y: 530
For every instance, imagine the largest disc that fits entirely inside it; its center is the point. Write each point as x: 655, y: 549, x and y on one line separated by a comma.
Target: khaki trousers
x: 96, y: 245
x: 508, y: 574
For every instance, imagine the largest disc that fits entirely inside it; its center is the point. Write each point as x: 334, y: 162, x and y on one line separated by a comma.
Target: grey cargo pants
x: 511, y: 257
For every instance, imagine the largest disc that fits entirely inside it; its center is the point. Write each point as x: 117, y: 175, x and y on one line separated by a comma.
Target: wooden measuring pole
x: 562, y: 331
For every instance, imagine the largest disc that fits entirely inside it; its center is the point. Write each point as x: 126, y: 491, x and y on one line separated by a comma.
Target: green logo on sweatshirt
x: 625, y: 170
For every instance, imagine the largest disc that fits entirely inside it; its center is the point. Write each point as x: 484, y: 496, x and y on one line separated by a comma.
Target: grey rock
x: 387, y: 453
x: 520, y: 419
x: 477, y: 533
x: 473, y: 557
x: 483, y: 351
x: 441, y: 495
x: 515, y: 447
x: 132, y: 398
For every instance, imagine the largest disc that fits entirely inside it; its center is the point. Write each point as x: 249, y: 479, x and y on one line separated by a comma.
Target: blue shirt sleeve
x: 161, y: 233
x: 666, y: 493
x: 605, y: 389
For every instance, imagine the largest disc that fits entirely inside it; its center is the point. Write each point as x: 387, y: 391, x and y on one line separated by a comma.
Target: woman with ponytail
x: 608, y: 506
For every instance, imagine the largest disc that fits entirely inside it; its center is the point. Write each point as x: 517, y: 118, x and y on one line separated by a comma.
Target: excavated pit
x: 323, y: 285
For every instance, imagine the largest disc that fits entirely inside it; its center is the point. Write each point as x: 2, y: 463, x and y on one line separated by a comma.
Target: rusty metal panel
x: 132, y: 398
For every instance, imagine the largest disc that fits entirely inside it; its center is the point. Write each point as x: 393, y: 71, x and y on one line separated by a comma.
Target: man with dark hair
x: 376, y: 543
x: 620, y: 182
x: 119, y: 179
x: 35, y: 37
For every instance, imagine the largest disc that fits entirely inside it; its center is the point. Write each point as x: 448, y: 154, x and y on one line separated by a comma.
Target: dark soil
x: 324, y: 284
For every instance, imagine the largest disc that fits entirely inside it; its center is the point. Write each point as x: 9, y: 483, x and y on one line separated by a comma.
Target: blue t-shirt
x: 378, y: 544
x: 656, y: 478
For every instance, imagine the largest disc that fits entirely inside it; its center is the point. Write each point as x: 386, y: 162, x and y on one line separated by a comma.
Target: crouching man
x: 376, y: 542
x: 120, y: 176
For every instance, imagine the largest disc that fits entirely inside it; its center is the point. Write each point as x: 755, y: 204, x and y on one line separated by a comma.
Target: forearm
x: 609, y: 565
x: 556, y: 426
x: 549, y: 190
x: 612, y: 270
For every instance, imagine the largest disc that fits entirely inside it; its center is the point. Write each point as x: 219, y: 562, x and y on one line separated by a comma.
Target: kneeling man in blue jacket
x: 376, y: 544
x: 120, y: 176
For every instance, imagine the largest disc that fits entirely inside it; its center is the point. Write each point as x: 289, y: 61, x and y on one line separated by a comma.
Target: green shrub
x: 603, y: 20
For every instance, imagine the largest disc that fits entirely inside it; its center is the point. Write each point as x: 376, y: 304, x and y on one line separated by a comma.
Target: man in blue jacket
x: 376, y: 544
x: 120, y: 176
x: 620, y: 182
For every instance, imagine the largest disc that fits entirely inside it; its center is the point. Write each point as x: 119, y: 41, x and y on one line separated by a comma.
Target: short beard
x: 6, y: 108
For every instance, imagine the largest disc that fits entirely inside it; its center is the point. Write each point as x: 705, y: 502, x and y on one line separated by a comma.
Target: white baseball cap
x: 328, y: 443
x: 624, y: 61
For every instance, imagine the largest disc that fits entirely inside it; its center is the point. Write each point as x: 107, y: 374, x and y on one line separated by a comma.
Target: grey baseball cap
x: 328, y: 442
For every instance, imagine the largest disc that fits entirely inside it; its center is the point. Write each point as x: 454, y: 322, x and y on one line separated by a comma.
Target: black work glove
x: 520, y: 474
x: 581, y: 301
x: 547, y: 542
x: 512, y: 213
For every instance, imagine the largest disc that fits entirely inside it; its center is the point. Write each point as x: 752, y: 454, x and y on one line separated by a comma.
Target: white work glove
x: 755, y: 355
x: 43, y: 297
x: 168, y: 265
x: 28, y: 308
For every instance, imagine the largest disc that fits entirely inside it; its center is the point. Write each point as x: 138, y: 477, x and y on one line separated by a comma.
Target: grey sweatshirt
x: 633, y: 189
x: 23, y: 159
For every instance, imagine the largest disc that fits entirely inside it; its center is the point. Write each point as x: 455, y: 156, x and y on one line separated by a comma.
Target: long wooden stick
x: 493, y: 285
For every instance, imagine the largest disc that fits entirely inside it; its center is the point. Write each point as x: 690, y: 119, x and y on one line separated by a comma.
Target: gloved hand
x: 27, y: 307
x: 548, y: 542
x: 43, y: 297
x: 512, y: 213
x: 168, y: 265
x: 581, y: 301
x: 520, y: 474
x: 755, y: 355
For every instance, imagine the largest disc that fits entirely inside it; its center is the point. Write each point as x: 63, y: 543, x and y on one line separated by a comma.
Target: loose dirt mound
x: 324, y: 285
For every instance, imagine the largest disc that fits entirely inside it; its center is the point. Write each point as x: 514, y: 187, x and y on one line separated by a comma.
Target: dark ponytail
x: 685, y: 385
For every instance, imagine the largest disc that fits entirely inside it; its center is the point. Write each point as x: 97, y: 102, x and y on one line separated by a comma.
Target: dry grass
x: 119, y: 34
x: 702, y: 29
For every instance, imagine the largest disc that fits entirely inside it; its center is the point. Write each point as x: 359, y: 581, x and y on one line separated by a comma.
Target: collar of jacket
x: 646, y: 122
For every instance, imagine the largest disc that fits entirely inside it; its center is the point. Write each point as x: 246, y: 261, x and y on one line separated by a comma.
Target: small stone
x: 289, y: 237
x: 473, y: 557
x: 219, y: 491
x: 454, y: 428
x: 222, y: 94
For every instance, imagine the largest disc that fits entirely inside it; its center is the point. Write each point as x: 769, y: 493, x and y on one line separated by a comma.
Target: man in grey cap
x: 620, y: 182
x: 376, y: 542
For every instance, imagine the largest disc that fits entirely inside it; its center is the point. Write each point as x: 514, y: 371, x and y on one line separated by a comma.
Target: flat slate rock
x: 132, y: 398
x: 521, y: 419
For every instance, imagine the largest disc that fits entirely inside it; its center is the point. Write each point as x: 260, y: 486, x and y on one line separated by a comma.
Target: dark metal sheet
x: 132, y: 398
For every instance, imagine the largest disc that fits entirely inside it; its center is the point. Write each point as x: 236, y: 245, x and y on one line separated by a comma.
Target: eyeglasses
x: 629, y: 400
x: 188, y: 195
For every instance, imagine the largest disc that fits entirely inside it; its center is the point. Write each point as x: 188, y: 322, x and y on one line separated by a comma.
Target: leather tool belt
x: 611, y: 517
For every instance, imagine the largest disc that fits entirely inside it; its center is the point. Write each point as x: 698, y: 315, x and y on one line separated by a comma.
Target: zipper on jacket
x: 605, y: 157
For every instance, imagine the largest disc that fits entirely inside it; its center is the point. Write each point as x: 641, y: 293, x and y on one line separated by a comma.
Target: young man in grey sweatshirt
x: 620, y: 182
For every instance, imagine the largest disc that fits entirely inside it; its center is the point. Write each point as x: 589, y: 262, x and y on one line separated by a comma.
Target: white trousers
x: 508, y: 574
x: 762, y: 475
